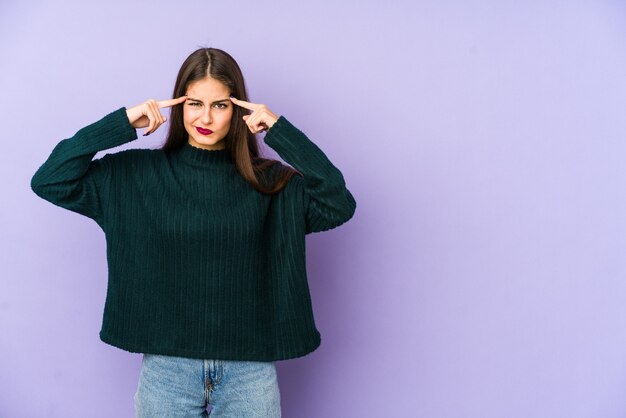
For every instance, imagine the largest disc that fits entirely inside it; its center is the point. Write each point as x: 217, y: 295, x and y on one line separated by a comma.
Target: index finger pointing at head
x: 171, y: 102
x: 244, y: 104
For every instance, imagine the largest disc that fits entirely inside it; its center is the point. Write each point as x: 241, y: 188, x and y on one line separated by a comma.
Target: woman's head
x: 207, y: 72
x: 207, y: 113
x: 208, y: 77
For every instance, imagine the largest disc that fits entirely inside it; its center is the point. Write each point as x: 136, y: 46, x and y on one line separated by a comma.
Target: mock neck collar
x: 204, y: 157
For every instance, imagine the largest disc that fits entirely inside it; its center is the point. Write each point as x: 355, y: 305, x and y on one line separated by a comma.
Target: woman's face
x: 207, y: 113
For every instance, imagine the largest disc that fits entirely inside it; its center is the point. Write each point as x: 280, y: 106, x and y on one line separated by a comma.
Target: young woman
x: 205, y: 239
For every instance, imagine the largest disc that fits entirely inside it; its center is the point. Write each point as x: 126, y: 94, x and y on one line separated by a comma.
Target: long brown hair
x: 240, y: 143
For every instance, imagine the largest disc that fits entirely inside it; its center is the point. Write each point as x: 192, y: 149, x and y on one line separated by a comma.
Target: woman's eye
x: 194, y: 104
x: 221, y: 105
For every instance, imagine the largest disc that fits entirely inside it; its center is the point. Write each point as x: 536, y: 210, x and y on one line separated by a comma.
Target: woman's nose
x: 206, y: 117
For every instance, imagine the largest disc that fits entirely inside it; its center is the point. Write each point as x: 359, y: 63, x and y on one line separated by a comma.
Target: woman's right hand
x: 147, y: 114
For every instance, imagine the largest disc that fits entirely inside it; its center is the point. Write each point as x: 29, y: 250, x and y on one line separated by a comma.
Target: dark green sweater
x: 200, y: 264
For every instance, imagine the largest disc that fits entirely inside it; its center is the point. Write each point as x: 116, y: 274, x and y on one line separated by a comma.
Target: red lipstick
x: 204, y: 131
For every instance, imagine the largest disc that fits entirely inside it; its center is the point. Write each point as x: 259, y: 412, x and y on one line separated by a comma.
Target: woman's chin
x: 206, y: 143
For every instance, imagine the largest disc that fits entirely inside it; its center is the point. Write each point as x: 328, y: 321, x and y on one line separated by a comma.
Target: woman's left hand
x: 261, y: 119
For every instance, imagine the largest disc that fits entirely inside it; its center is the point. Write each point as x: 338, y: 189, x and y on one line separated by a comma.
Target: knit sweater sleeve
x: 70, y: 179
x: 327, y: 201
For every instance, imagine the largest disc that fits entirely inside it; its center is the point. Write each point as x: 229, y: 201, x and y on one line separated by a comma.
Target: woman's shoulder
x: 274, y: 168
x: 133, y: 157
x: 275, y: 172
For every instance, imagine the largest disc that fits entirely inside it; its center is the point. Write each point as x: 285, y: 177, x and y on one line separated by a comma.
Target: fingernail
x: 146, y: 134
x: 232, y: 97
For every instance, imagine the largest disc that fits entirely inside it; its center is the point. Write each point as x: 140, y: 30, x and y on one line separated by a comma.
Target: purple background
x: 483, y: 275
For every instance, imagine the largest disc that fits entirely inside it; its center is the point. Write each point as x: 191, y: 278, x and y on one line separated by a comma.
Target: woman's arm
x: 328, y: 203
x: 69, y: 178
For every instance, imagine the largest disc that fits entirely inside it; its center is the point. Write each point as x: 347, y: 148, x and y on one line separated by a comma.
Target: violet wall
x: 483, y: 275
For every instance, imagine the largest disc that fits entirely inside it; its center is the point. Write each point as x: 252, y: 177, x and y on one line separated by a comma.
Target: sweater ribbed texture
x: 200, y: 264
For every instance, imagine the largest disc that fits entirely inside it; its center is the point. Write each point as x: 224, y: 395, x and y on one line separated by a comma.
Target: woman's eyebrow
x: 217, y: 101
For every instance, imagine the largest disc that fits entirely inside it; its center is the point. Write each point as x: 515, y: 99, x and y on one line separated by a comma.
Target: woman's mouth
x: 204, y: 131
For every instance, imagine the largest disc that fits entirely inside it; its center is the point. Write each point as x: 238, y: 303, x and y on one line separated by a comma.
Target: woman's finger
x: 263, y: 118
x: 157, y: 110
x: 256, y: 127
x: 149, y: 127
x: 153, y: 115
x: 255, y: 121
x: 171, y: 102
x: 244, y: 104
x: 251, y: 121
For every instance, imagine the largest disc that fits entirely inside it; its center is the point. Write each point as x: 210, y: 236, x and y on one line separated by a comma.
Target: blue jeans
x: 184, y: 387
